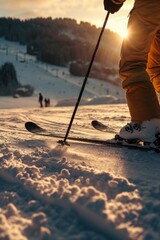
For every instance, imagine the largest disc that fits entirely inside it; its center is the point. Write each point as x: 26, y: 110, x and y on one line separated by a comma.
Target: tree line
x: 62, y: 40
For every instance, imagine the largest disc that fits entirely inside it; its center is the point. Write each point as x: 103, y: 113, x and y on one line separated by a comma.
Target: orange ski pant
x: 140, y: 61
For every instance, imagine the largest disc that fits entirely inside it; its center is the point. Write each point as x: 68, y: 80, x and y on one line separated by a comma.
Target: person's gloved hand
x: 113, y: 6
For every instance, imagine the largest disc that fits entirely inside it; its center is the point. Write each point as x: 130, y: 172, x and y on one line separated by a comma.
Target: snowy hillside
x: 84, y: 191
x: 53, y: 82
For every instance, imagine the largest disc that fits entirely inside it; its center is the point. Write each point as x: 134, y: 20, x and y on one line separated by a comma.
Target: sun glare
x: 123, y: 33
x: 121, y: 29
x: 119, y: 26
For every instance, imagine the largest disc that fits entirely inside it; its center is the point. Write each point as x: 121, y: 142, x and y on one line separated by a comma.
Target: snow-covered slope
x: 53, y: 82
x: 48, y: 191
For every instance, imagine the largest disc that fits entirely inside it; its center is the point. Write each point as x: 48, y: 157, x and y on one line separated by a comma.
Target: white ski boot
x: 145, y: 131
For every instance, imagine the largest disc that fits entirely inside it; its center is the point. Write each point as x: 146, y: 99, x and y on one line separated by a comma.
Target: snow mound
x: 108, y: 99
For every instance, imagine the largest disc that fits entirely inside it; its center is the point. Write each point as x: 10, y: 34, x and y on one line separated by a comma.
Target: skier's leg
x: 141, y: 96
x: 153, y: 66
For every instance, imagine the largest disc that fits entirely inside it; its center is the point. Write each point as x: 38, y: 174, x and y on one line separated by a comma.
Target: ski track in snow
x: 84, y: 191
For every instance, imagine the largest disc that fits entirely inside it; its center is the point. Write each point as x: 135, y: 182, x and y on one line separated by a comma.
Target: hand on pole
x: 113, y: 5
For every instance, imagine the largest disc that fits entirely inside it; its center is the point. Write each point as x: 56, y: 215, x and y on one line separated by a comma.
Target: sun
x: 121, y: 29
x: 123, y: 33
x: 119, y: 26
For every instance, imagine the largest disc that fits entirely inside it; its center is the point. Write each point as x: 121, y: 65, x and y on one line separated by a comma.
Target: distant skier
x: 48, y: 102
x: 40, y: 100
x: 140, y: 68
x: 45, y: 102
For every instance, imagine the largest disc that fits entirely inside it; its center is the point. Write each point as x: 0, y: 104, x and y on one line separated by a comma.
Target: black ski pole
x: 63, y: 142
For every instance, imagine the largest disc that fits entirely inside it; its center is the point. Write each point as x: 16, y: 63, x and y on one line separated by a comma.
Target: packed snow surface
x: 81, y: 191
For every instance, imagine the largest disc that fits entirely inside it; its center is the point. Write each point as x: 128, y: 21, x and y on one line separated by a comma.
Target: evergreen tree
x: 8, y: 79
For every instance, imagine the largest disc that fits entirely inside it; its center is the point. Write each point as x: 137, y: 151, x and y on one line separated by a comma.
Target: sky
x: 81, y: 10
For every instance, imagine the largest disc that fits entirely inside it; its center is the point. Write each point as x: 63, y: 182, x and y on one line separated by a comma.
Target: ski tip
x: 94, y: 122
x: 97, y: 124
x: 31, y: 126
x: 101, y: 127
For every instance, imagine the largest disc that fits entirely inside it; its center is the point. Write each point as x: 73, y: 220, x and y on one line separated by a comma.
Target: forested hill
x: 59, y: 41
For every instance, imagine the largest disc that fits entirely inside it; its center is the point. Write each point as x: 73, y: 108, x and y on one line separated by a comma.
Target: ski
x: 35, y: 129
x: 102, y: 127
